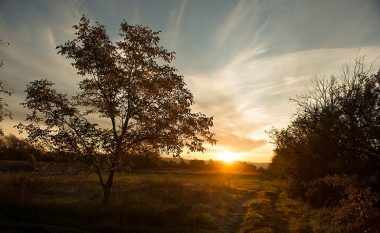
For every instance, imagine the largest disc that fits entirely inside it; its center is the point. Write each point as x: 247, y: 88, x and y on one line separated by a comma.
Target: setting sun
x: 228, y: 156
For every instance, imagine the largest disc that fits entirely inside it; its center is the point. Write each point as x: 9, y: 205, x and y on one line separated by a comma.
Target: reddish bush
x: 358, y: 211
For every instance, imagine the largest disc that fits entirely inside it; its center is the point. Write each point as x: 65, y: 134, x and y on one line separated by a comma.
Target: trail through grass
x: 154, y: 202
x: 270, y: 210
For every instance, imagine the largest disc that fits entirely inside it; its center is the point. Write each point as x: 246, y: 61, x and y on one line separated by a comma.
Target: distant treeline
x: 16, y: 149
x: 157, y: 163
x: 330, y: 152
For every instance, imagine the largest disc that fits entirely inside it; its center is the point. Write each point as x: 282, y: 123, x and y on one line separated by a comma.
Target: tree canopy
x: 132, y: 84
x: 336, y: 128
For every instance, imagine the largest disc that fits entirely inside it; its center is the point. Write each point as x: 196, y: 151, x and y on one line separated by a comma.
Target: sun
x: 228, y: 156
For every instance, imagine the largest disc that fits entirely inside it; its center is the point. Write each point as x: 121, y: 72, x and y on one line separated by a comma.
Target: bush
x: 327, y: 191
x: 295, y: 188
x: 358, y: 211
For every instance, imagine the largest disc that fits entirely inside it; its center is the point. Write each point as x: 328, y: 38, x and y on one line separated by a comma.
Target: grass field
x: 153, y: 202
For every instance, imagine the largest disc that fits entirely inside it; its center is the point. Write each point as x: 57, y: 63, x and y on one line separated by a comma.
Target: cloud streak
x: 175, y: 19
x: 241, y: 11
x: 239, y: 144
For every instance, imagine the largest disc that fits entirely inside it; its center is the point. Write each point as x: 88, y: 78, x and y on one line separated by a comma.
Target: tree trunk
x: 106, y: 195
x: 107, y: 188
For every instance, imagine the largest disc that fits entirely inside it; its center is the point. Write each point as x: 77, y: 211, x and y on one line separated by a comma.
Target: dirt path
x: 281, y: 224
x: 236, y: 216
x: 274, y: 219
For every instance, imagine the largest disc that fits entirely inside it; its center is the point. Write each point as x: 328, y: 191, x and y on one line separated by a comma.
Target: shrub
x: 295, y: 188
x: 358, y: 211
x: 327, y: 191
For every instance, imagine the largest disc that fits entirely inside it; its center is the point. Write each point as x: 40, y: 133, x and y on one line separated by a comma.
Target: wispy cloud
x: 239, y: 144
x: 175, y: 19
x: 234, y: 22
x: 31, y: 55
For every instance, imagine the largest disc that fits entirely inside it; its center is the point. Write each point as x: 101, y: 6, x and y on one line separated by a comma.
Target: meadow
x: 153, y: 202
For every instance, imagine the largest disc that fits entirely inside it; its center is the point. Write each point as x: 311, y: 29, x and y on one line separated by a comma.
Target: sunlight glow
x: 228, y: 156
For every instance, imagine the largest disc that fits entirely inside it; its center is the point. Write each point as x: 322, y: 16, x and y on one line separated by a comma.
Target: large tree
x: 131, y: 84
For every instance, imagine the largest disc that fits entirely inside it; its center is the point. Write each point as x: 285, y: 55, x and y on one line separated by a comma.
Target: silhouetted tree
x: 4, y: 90
x: 330, y: 152
x: 14, y: 148
x: 2, y: 43
x: 4, y: 112
x: 336, y: 129
x: 147, y: 160
x: 132, y: 84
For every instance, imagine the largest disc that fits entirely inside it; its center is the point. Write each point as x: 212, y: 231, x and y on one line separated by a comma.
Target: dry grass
x: 155, y: 202
x: 270, y: 210
x: 140, y: 202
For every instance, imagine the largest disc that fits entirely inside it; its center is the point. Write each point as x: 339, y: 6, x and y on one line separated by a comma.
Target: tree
x: 330, y: 152
x: 4, y: 90
x: 336, y: 130
x: 4, y: 112
x: 3, y: 43
x: 14, y: 148
x: 132, y: 84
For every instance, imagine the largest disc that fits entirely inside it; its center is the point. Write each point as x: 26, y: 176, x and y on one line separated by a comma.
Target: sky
x: 243, y: 60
